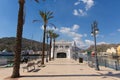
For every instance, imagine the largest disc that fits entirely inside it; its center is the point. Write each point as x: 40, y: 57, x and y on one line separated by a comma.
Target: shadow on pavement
x: 76, y: 75
x: 109, y: 74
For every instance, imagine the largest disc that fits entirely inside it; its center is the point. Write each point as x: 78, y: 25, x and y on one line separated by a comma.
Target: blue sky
x: 73, y: 19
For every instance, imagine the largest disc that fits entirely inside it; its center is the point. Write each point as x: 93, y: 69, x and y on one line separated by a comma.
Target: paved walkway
x: 63, y: 69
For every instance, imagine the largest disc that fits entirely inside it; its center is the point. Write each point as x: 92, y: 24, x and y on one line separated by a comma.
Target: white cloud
x: 69, y: 32
x: 83, y: 12
x: 65, y: 30
x: 76, y: 3
x: 49, y: 28
x: 88, y: 4
x: 118, y: 30
x: 79, y: 12
x: 75, y: 27
x: 42, y: 27
x: 72, y: 33
x: 84, y: 44
x: 75, y: 12
x: 89, y: 42
x: 79, y: 42
x: 85, y: 35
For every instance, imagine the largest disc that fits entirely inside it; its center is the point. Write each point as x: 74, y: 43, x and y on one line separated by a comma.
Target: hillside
x: 102, y: 47
x: 8, y: 43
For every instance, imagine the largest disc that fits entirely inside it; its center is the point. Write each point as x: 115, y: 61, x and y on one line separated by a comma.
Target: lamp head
x: 92, y: 33
x: 97, y: 31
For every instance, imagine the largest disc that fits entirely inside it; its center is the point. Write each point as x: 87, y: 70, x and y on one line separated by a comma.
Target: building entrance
x: 61, y: 55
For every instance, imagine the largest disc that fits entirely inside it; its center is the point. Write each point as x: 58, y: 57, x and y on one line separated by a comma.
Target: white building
x: 64, y: 49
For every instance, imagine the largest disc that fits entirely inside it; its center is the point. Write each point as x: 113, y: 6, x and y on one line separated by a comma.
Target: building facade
x: 63, y: 49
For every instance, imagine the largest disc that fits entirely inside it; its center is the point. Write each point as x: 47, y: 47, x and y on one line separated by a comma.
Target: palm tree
x: 46, y: 15
x: 20, y: 24
x: 50, y: 36
x: 54, y: 39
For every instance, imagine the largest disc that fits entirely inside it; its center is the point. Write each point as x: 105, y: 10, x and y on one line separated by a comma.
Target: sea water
x: 3, y: 61
x: 10, y: 59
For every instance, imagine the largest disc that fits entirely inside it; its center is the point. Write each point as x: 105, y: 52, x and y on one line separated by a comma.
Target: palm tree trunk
x: 16, y: 66
x: 43, y: 49
x: 54, y: 49
x: 50, y: 49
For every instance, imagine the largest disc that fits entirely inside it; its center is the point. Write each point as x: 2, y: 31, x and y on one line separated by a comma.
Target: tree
x: 54, y: 39
x: 47, y: 46
x: 46, y: 15
x: 50, y: 32
x: 21, y: 20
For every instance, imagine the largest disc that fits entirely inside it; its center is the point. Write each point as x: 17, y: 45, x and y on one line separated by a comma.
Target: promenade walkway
x: 63, y: 69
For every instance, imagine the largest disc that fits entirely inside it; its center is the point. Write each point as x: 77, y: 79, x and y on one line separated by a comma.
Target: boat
x: 6, y: 54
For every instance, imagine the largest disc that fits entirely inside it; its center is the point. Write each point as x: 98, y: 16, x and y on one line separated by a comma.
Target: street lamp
x: 94, y: 32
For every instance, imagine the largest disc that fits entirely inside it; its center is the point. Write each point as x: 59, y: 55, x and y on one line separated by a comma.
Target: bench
x: 29, y: 65
x: 38, y: 63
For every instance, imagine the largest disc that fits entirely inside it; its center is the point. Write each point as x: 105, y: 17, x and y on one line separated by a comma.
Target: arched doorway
x: 61, y: 55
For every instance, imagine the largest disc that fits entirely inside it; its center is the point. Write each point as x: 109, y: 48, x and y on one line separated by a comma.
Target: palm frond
x: 35, y: 21
x: 38, y: 1
x: 50, y: 32
x: 55, y: 35
x: 50, y: 13
x: 53, y: 25
x: 46, y: 15
x: 49, y: 17
x: 42, y: 14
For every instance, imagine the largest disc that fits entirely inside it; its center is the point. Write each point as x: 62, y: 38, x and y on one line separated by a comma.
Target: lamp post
x: 94, y: 32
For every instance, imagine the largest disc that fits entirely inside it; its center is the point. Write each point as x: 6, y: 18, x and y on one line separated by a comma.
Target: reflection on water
x: 10, y: 59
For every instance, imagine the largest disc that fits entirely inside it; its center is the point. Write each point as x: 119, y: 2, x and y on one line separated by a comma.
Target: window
x: 66, y: 46
x: 61, y: 46
x: 56, y: 46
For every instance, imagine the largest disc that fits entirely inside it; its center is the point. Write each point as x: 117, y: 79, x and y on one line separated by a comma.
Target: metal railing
x: 106, y: 61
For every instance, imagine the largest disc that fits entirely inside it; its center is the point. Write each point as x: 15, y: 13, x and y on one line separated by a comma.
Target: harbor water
x: 9, y: 59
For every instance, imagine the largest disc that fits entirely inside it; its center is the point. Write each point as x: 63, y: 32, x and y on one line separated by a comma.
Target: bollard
x: 116, y: 65
x: 80, y: 60
x: 105, y: 63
